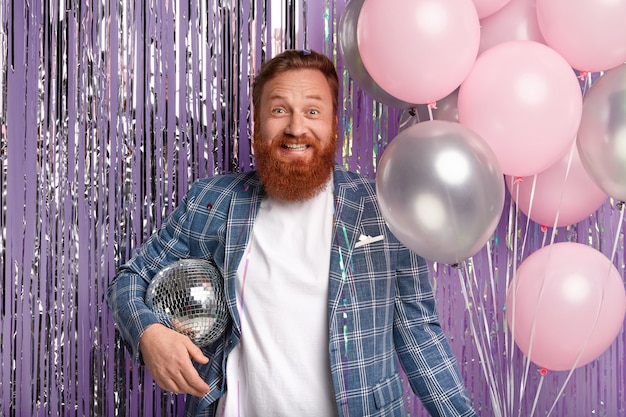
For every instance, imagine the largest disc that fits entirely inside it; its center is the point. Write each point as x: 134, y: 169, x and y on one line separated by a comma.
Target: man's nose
x: 296, y: 126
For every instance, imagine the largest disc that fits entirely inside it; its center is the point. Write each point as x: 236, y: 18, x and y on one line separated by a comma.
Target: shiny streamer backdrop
x: 110, y: 109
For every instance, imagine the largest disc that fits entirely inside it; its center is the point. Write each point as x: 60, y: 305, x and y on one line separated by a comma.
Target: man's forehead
x: 307, y: 82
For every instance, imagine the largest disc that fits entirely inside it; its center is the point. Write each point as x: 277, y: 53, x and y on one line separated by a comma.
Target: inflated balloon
x: 525, y: 100
x: 446, y: 108
x: 349, y: 49
x: 602, y: 135
x: 565, y: 190
x: 419, y: 51
x: 488, y: 7
x: 440, y: 190
x: 566, y: 305
x: 589, y: 34
x: 443, y: 109
x: 410, y: 117
x: 517, y: 20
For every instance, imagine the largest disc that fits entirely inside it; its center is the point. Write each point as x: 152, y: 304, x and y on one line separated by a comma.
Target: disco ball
x: 188, y: 296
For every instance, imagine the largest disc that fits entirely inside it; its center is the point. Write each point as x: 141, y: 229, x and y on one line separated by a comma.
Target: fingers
x: 167, y: 354
x: 196, y: 353
x: 194, y: 384
x: 186, y: 382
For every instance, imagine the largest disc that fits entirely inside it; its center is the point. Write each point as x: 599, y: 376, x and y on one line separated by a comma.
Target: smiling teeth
x: 296, y: 147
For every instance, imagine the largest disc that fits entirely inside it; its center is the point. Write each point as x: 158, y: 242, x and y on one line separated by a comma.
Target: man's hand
x: 167, y: 355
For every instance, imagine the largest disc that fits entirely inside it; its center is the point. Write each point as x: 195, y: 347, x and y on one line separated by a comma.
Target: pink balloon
x: 517, y: 20
x: 572, y: 195
x: 589, y: 34
x: 567, y: 300
x: 525, y: 101
x: 352, y: 59
x: 418, y: 50
x: 488, y: 7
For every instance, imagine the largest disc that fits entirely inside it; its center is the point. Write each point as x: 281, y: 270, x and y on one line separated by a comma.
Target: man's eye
x: 313, y: 112
x: 280, y: 111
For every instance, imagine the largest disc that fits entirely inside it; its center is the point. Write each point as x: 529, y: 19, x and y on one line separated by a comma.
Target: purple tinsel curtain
x: 110, y: 109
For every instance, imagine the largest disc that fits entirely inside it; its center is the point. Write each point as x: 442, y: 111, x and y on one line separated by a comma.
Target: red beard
x: 294, y: 180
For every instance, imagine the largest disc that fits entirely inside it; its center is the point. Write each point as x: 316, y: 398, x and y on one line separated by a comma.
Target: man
x: 323, y: 298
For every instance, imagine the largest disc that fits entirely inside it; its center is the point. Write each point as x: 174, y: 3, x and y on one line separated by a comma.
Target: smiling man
x: 296, y: 136
x: 324, y: 301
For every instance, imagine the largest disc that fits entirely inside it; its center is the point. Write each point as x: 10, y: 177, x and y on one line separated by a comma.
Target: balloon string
x: 542, y: 372
x: 512, y: 262
x: 485, y: 364
x: 526, y: 361
x: 587, y: 80
x: 432, y: 105
x: 531, y: 203
x: 495, y: 309
x: 487, y: 332
x: 527, y: 228
x: 575, y: 364
x: 571, y: 372
x: 597, y: 318
x: 533, y: 325
x: 511, y: 347
x: 620, y: 206
x: 558, y: 211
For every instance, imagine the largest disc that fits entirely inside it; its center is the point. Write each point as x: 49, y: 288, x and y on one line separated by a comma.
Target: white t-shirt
x: 281, y: 367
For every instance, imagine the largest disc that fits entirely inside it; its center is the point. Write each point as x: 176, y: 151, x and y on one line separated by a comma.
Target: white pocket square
x: 366, y: 240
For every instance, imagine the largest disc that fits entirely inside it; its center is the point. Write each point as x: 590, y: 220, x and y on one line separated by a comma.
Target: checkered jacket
x: 381, y: 306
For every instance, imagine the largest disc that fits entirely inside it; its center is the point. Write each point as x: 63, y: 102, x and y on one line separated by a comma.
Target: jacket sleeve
x: 422, y: 347
x: 126, y: 293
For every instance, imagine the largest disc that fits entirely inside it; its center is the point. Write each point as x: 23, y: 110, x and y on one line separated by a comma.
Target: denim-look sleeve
x: 421, y: 345
x: 197, y: 228
x: 126, y: 293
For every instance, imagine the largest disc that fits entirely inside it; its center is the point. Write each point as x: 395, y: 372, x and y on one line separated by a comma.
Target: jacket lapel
x: 244, y: 206
x: 345, y: 234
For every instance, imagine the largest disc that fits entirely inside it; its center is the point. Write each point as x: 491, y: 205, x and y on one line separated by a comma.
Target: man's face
x: 295, y: 137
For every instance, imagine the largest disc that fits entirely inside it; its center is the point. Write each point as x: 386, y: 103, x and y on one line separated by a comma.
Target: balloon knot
x: 543, y: 372
x: 517, y: 180
x: 583, y: 75
x: 544, y: 228
x: 432, y: 105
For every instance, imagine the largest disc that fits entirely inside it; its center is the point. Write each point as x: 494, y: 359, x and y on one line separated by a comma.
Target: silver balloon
x: 441, y: 190
x: 601, y: 137
x: 410, y: 117
x: 445, y: 109
x: 348, y: 46
x: 188, y: 296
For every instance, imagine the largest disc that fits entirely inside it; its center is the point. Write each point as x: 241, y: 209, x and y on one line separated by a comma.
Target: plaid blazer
x: 381, y: 306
